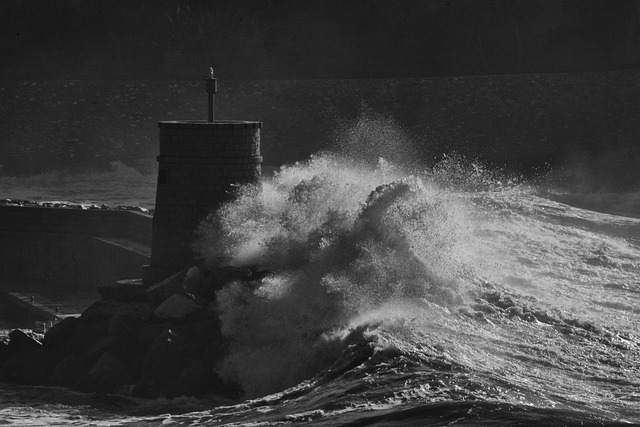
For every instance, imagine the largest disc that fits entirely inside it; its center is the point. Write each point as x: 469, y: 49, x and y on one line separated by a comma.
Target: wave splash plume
x: 388, y: 293
x: 339, y: 240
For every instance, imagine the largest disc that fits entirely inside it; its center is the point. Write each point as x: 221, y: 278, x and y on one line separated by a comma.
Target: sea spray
x: 375, y: 135
x: 340, y: 239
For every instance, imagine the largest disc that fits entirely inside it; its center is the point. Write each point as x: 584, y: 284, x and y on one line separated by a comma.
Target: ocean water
x: 397, y: 295
x: 119, y: 185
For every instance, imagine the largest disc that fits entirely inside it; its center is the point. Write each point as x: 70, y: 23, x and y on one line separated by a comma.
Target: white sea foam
x: 341, y: 237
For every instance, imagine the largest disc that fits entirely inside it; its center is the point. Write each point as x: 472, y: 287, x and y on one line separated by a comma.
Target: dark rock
x: 163, y: 362
x: 20, y: 342
x: 91, y: 347
x: 198, y: 335
x: 104, y: 377
x: 4, y: 352
x: 31, y: 367
x: 125, y: 291
x: 125, y: 348
x: 159, y: 292
x: 203, y: 331
x: 25, y: 360
x: 118, y: 401
x: 98, y: 315
x: 61, y: 334
x: 128, y: 318
x: 91, y: 339
x: 194, y: 283
x: 149, y: 333
x: 179, y: 308
x: 146, y: 389
x: 196, y: 379
x: 69, y: 370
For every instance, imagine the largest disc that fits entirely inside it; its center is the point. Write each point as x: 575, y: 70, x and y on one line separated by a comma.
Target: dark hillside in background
x: 324, y: 39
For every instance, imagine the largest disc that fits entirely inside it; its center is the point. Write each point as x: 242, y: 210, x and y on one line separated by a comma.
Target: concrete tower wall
x: 199, y: 163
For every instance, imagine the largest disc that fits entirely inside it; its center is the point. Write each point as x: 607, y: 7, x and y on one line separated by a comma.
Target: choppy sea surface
x: 397, y: 296
x: 119, y: 186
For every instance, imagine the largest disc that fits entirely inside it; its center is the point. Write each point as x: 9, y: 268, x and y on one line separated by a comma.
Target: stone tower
x: 198, y: 164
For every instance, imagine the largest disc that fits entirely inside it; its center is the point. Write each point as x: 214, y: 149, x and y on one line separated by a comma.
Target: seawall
x: 71, y: 248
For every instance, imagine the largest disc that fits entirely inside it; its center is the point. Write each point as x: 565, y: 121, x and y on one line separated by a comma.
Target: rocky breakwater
x: 137, y: 341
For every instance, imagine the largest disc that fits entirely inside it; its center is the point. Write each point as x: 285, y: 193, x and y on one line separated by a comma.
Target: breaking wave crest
x: 337, y: 241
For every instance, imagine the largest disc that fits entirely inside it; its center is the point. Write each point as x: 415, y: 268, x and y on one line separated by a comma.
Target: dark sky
x: 284, y: 39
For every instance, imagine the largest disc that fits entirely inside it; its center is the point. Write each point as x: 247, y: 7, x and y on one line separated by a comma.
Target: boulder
x: 31, y: 368
x: 203, y: 331
x: 163, y: 362
x: 150, y: 332
x: 104, y: 377
x: 60, y: 335
x: 124, y: 291
x: 126, y: 349
x: 196, y: 379
x: 146, y: 390
x: 97, y: 317
x: 198, y: 335
x: 21, y: 343
x: 4, y: 353
x: 179, y: 308
x: 194, y: 283
x: 69, y: 370
x: 128, y: 319
x: 159, y: 292
x: 25, y: 360
x: 91, y: 347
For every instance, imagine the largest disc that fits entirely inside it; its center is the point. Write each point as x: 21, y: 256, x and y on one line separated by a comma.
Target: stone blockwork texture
x: 198, y: 166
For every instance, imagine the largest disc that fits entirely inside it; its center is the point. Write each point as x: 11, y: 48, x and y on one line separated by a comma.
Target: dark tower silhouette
x: 198, y: 164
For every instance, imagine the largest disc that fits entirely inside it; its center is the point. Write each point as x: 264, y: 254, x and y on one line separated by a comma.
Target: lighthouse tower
x: 199, y: 162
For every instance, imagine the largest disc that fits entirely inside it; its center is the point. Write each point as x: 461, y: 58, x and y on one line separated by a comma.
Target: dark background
x: 524, y: 86
x: 321, y: 39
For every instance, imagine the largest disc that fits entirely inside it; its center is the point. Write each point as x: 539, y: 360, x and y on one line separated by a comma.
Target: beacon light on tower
x: 212, y: 89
